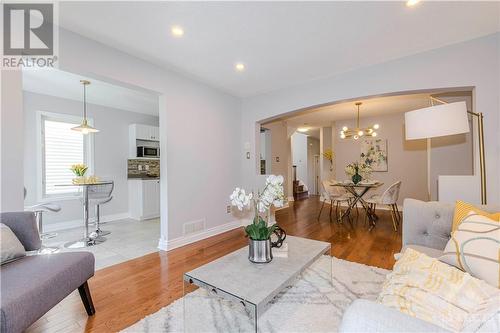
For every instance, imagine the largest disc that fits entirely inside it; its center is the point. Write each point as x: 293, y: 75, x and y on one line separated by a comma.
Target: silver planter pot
x: 259, y: 251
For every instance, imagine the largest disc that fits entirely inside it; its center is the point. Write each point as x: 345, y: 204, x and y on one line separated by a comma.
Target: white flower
x: 273, y: 194
x: 240, y: 199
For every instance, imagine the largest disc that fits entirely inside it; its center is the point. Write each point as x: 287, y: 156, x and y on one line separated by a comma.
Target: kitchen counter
x: 132, y: 177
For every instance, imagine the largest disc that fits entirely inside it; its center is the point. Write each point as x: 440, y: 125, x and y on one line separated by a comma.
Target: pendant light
x: 84, y: 127
x: 356, y: 133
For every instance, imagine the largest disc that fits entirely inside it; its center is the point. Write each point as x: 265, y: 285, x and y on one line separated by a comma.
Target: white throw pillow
x: 10, y: 247
x: 474, y: 247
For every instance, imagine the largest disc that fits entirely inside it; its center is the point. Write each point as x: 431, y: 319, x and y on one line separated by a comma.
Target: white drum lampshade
x: 438, y: 120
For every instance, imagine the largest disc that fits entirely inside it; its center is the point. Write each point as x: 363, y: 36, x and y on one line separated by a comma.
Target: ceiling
x: 281, y: 43
x: 315, y: 118
x: 67, y: 85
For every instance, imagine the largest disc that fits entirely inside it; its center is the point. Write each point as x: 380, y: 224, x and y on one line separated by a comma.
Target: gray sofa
x: 426, y: 228
x: 32, y: 285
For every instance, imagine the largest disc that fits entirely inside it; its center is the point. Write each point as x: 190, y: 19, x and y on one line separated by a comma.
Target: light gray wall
x: 200, y: 134
x: 11, y: 141
x: 473, y: 63
x: 407, y: 160
x: 450, y: 156
x: 280, y: 147
x: 110, y: 150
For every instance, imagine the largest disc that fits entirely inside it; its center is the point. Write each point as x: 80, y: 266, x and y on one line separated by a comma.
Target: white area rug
x: 312, y: 304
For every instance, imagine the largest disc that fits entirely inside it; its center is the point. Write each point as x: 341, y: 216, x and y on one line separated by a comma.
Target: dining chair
x: 100, y: 195
x: 388, y: 198
x: 335, y: 195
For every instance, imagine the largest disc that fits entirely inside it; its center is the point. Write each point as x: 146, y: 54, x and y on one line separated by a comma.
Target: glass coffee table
x: 248, y: 287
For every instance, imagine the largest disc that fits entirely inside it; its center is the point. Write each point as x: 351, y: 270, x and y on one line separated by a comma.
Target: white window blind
x: 61, y: 148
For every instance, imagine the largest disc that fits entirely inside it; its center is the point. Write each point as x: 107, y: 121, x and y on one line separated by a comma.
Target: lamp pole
x: 482, y: 163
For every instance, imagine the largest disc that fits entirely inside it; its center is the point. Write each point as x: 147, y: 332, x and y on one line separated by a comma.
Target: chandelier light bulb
x: 376, y: 126
x: 374, y: 134
x: 356, y: 137
x: 342, y: 136
x: 360, y: 133
x: 344, y: 128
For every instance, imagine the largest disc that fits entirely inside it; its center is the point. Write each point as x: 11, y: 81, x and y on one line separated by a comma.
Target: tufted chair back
x: 391, y: 195
x: 429, y: 223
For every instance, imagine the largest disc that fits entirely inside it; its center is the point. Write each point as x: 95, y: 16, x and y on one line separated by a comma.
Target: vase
x: 356, y: 178
x: 259, y: 251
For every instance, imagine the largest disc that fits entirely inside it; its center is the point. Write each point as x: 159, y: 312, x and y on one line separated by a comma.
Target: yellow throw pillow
x: 425, y: 288
x: 462, y: 209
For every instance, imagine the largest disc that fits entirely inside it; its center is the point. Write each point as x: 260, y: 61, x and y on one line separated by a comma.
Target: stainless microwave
x: 144, y: 151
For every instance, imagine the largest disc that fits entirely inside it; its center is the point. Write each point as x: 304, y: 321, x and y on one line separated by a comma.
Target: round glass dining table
x: 358, y: 191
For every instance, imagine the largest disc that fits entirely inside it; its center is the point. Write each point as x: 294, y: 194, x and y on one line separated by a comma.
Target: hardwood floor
x: 125, y: 293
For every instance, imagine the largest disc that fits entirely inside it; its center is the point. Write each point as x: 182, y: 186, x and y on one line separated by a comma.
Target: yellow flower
x: 328, y: 154
x: 79, y: 169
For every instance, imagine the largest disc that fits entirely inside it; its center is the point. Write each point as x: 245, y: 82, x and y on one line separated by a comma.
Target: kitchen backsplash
x: 138, y: 168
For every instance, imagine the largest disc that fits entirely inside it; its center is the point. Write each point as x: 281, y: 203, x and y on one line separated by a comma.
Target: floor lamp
x: 443, y: 120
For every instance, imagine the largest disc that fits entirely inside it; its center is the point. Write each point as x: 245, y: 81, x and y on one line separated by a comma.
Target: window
x: 60, y: 148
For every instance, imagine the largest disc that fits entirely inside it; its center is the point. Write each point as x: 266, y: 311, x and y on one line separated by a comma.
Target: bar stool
x: 39, y: 210
x: 100, y: 195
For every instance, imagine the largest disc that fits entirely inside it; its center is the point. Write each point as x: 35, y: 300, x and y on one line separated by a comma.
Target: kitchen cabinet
x: 144, y: 198
x: 142, y: 133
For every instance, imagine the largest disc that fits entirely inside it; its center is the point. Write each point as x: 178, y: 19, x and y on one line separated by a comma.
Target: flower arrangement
x: 79, y: 169
x: 329, y: 155
x: 272, y: 194
x: 362, y: 169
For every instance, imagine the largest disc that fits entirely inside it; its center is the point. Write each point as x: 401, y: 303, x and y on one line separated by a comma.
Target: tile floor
x: 128, y: 239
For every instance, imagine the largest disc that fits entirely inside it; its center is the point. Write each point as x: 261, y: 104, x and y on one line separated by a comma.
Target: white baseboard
x: 59, y: 226
x: 167, y: 245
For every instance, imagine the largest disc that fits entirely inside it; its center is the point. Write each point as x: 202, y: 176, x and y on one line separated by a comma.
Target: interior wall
x: 279, y: 150
x: 450, y: 156
x: 11, y: 141
x: 312, y: 151
x: 473, y: 63
x: 110, y: 152
x: 299, y: 157
x: 407, y: 160
x: 200, y: 135
x: 326, y: 143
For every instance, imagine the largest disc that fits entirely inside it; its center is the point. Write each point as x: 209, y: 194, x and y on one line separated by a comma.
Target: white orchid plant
x: 272, y: 194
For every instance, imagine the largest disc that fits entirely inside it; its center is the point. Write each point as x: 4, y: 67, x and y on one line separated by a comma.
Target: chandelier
x: 356, y: 133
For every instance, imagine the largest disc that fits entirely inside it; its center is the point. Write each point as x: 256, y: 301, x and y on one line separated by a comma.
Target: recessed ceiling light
x: 411, y: 3
x: 177, y: 31
x: 302, y: 129
x: 239, y: 66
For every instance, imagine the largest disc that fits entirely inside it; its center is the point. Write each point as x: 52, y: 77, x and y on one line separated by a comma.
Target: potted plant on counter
x: 259, y: 231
